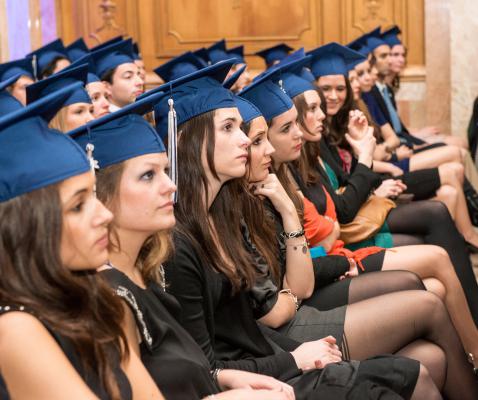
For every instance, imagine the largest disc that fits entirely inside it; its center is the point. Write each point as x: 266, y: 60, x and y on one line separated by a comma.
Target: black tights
x: 432, y: 222
x: 363, y: 287
x: 413, y: 324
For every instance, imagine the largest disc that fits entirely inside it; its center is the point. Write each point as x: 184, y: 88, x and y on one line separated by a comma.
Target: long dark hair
x: 194, y: 219
x: 260, y: 225
x: 79, y: 306
x: 339, y: 122
x: 306, y: 164
x: 282, y: 175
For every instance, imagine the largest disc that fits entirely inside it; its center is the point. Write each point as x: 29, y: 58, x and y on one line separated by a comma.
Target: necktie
x: 396, y: 124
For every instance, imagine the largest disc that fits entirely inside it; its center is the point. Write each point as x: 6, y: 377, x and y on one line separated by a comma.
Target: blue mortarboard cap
x: 237, y: 53
x: 268, y: 96
x: 60, y: 80
x: 288, y: 59
x: 110, y: 57
x: 46, y: 54
x: 275, y: 53
x: 121, y: 135
x: 136, y: 51
x: 374, y: 39
x: 229, y: 82
x: 217, y: 52
x: 390, y: 36
x: 182, y: 65
x: 247, y: 110
x: 52, y: 156
x: 292, y: 83
x: 360, y: 45
x: 21, y: 67
x: 202, y: 55
x: 77, y: 50
x: 8, y: 103
x: 307, y: 74
x: 194, y: 94
x: 333, y: 59
x: 109, y: 42
x: 86, y: 59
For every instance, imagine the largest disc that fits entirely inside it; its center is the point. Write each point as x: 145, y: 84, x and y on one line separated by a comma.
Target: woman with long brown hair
x: 210, y: 271
x: 133, y: 182
x: 286, y: 138
x: 60, y: 326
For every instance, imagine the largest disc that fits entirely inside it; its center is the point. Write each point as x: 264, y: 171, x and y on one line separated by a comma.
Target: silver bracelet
x: 293, y: 234
x: 292, y: 296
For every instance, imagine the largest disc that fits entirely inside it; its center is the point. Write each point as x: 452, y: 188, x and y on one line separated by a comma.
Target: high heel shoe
x: 471, y: 360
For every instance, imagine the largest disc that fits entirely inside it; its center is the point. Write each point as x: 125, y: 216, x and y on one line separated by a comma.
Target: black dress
x: 223, y: 324
x: 91, y: 380
x: 172, y: 357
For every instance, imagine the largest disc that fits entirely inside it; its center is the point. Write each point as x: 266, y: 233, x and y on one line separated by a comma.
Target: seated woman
x: 210, y: 271
x: 286, y: 138
x: 401, y: 154
x: 77, y: 109
x: 8, y: 103
x: 398, y: 61
x: 133, y: 182
x: 338, y: 110
x: 60, y: 327
x: 94, y: 86
x: 50, y: 59
x: 23, y: 69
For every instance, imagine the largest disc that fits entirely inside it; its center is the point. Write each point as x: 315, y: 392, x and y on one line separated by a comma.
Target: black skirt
x: 423, y: 183
x: 384, y: 377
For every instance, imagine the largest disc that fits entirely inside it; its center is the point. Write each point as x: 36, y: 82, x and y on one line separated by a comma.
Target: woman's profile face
x: 398, y: 58
x: 230, y: 145
x: 313, y: 118
x: 84, y: 238
x: 364, y: 76
x: 19, y: 89
x: 77, y: 115
x: 335, y: 92
x: 60, y: 65
x: 286, y: 137
x: 354, y: 84
x: 260, y: 151
x: 98, y: 95
x: 145, y: 196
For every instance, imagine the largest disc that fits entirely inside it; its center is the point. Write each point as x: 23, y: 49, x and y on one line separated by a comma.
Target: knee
x: 457, y: 169
x: 435, y: 211
x: 426, y: 386
x: 411, y: 281
x: 434, y: 309
x: 456, y: 154
x: 447, y: 193
x: 450, y: 172
x: 436, y: 287
x: 440, y: 257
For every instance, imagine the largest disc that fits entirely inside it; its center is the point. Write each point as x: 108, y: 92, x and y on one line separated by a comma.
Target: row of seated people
x: 259, y: 254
